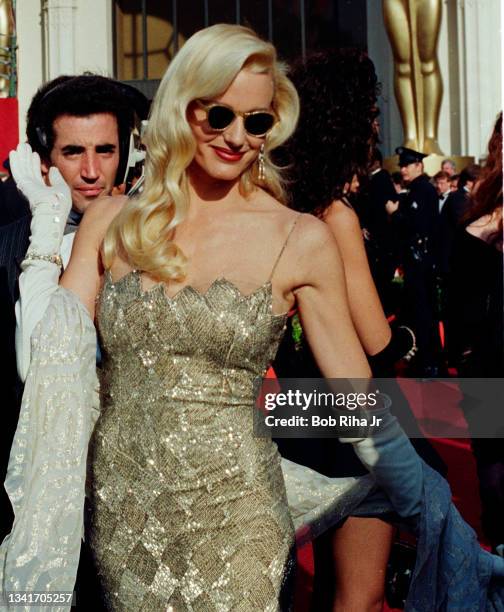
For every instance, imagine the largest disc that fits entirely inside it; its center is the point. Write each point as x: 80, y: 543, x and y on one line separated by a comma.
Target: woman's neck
x: 206, y: 190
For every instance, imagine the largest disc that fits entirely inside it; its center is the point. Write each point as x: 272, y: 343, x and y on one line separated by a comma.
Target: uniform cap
x: 409, y: 156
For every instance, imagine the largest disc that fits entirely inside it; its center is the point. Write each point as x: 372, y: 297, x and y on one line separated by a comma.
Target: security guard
x: 415, y: 221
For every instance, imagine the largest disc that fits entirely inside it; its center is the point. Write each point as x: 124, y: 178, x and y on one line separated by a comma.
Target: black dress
x: 381, y: 244
x: 475, y: 306
x: 476, y: 311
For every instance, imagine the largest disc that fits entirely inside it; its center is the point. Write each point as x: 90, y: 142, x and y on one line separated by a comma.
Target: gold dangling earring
x: 261, y: 175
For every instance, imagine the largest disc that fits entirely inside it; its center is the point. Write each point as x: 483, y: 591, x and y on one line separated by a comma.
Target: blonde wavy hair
x: 142, y: 233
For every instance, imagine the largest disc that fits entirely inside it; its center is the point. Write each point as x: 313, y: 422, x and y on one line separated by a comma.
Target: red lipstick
x: 228, y: 154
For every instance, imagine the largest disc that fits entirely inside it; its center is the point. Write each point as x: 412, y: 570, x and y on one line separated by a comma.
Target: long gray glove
x: 50, y: 206
x: 390, y: 457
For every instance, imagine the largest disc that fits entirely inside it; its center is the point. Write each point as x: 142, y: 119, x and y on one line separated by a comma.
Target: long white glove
x: 50, y: 206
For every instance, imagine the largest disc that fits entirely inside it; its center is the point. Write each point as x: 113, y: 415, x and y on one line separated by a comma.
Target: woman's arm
x: 84, y: 272
x: 50, y: 204
x: 40, y: 277
x: 321, y: 296
x: 322, y: 301
x: 365, y: 306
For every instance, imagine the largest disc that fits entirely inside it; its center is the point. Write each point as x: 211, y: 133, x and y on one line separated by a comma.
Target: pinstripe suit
x: 14, y: 241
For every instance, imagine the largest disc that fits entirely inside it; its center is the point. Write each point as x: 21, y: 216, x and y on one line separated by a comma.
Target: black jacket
x: 14, y: 240
x: 416, y: 221
x: 454, y: 209
x: 380, y: 191
x: 13, y: 205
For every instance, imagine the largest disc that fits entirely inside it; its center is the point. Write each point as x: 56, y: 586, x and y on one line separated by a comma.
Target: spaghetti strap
x: 283, y: 247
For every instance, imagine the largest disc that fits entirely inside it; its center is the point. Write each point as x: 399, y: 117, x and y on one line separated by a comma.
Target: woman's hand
x: 49, y: 204
x: 26, y: 170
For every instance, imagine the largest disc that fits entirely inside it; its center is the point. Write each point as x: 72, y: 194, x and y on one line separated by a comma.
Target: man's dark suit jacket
x: 456, y: 206
x: 380, y: 191
x: 14, y: 240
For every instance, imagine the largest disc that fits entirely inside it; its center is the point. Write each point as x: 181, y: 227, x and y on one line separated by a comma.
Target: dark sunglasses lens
x: 259, y: 123
x: 219, y: 117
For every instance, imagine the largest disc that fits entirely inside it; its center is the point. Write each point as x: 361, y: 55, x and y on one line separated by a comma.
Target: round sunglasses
x: 220, y: 116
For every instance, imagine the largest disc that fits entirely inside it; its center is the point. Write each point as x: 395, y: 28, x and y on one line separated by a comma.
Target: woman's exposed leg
x: 361, y: 549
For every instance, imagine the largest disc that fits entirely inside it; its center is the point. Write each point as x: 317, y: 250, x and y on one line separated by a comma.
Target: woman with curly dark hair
x: 476, y: 252
x: 475, y: 301
x: 334, y: 141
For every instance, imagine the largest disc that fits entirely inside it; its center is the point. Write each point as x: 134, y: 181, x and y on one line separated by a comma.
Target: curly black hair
x: 336, y: 134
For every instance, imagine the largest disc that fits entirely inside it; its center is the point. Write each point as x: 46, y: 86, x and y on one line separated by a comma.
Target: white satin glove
x: 49, y: 204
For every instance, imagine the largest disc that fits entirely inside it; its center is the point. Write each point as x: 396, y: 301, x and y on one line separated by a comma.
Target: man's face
x: 448, y: 168
x: 442, y: 185
x: 410, y: 172
x: 86, y: 152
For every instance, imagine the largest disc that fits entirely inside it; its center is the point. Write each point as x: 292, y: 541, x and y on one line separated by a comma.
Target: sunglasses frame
x: 207, y: 107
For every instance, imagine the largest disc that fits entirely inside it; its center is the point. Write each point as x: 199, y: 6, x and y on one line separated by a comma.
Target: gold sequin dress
x: 189, y: 510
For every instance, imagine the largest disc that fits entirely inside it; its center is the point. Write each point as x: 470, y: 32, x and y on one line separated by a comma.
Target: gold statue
x: 413, y: 30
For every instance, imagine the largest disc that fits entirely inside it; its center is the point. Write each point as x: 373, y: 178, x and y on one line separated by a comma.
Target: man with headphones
x: 81, y: 128
x: 81, y: 125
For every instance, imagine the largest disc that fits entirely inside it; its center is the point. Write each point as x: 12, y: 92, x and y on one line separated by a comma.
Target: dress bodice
x: 220, y: 340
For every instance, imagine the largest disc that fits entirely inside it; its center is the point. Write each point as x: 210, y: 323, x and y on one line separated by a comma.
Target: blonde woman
x: 200, y: 272
x: 189, y: 285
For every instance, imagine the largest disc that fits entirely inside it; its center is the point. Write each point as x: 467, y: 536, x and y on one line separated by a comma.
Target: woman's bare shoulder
x: 339, y: 215
x: 311, y: 236
x: 285, y: 216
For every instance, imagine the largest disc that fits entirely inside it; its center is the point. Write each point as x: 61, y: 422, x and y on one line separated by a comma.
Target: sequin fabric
x: 47, y: 465
x: 189, y: 508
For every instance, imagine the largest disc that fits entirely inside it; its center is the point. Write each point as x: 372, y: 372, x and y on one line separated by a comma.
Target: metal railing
x: 262, y: 15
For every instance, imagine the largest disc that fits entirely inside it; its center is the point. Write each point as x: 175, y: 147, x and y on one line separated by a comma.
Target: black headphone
x: 130, y: 153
